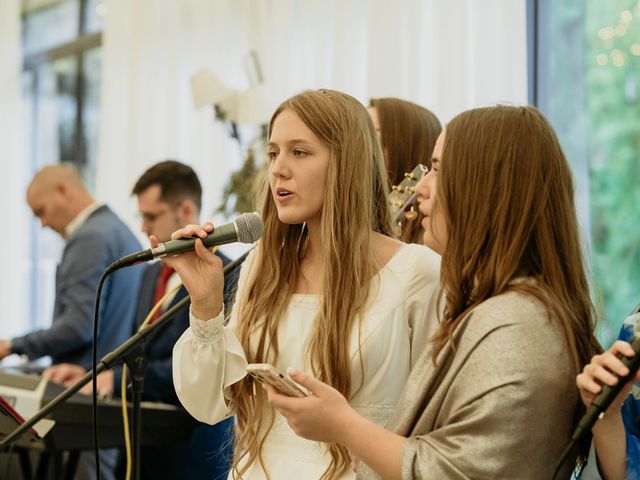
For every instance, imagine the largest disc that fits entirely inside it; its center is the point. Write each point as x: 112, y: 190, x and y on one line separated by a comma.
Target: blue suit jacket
x: 101, y: 240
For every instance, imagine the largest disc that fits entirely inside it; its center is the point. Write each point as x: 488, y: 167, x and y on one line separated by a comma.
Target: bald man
x: 95, y: 237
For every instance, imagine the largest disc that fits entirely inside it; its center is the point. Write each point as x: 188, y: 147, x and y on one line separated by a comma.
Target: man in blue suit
x: 169, y: 197
x: 95, y: 237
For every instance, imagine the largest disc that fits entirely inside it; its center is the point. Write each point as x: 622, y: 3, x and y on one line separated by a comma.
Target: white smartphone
x: 266, y: 373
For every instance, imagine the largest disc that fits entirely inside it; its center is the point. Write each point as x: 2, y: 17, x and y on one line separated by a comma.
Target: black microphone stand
x: 132, y: 352
x: 137, y: 362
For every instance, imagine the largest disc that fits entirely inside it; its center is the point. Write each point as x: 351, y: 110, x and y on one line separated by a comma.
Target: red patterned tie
x: 161, y: 286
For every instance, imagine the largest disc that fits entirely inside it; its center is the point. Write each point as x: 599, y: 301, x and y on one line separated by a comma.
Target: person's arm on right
x: 609, y: 437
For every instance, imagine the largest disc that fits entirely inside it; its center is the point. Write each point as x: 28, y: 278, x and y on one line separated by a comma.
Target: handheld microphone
x: 247, y: 228
x: 602, y: 401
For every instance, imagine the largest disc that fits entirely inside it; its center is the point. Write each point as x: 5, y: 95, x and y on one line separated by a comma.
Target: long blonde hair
x: 354, y: 207
x: 506, y: 193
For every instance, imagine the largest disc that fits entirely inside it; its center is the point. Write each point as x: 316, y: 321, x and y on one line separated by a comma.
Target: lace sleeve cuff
x: 207, y: 331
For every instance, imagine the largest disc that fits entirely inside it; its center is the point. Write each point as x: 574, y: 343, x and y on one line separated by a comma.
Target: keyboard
x: 162, y: 424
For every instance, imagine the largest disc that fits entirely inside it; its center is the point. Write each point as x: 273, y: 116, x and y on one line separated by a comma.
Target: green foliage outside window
x: 590, y: 92
x: 612, y: 73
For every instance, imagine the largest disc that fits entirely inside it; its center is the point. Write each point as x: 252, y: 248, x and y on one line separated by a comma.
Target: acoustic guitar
x: 403, y: 205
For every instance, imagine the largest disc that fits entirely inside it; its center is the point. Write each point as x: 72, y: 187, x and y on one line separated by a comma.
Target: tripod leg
x: 43, y: 466
x: 25, y: 463
x: 72, y: 464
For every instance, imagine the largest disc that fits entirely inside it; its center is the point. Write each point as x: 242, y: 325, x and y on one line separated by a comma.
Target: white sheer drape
x: 448, y: 56
x: 150, y: 51
x: 16, y: 169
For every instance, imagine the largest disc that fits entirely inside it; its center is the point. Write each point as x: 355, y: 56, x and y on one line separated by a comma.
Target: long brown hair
x: 505, y: 191
x: 408, y: 133
x: 354, y: 207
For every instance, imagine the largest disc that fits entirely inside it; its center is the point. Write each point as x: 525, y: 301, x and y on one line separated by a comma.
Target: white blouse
x: 400, y: 318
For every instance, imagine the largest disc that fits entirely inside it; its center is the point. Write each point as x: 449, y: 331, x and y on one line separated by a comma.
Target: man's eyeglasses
x: 151, y: 218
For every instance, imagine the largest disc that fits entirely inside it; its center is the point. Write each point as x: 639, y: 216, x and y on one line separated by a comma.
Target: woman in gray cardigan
x: 494, y: 394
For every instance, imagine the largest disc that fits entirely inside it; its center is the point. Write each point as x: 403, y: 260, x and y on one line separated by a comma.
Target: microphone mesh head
x: 249, y: 226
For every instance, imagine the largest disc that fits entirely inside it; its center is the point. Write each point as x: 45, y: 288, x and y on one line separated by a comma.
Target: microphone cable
x: 123, y: 384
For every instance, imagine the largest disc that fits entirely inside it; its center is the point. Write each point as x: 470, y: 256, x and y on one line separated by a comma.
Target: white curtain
x: 16, y: 169
x: 448, y: 56
x: 150, y: 51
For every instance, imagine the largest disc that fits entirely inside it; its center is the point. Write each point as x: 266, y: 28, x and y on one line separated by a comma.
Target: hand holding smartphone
x: 265, y: 373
